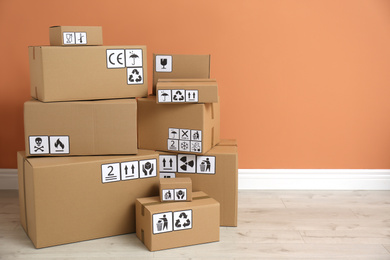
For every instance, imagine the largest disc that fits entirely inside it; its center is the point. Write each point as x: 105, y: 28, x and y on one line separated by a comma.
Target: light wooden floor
x: 272, y: 225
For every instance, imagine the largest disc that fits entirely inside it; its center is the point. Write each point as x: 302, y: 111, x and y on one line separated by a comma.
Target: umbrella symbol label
x: 163, y: 63
x: 173, y: 133
x: 133, y: 58
x: 164, y: 96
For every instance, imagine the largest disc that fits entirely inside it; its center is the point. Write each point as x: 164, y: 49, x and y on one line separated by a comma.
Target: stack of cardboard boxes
x: 92, y: 148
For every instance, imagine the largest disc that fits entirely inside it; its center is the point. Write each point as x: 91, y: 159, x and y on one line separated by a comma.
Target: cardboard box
x: 169, y: 225
x: 71, y: 199
x: 75, y: 35
x: 215, y: 173
x: 175, y: 66
x: 100, y: 127
x: 177, y: 189
x: 187, y: 128
x: 88, y: 73
x: 178, y: 91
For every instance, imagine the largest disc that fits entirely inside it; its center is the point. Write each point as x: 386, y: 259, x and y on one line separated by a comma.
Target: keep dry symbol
x: 133, y: 56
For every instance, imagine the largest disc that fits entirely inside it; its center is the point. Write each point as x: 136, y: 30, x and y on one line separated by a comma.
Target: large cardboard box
x: 169, y: 225
x: 215, y: 173
x: 176, y: 66
x: 188, y: 128
x: 71, y: 199
x: 178, y: 91
x: 100, y: 127
x: 92, y: 72
x: 75, y: 35
x: 176, y: 189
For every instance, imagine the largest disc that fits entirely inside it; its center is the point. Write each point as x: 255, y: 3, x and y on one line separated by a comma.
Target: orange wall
x: 303, y: 84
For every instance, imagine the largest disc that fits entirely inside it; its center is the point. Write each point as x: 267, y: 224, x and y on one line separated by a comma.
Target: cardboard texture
x: 177, y: 91
x: 220, y: 181
x: 75, y: 35
x: 176, y: 189
x: 170, y: 225
x: 101, y: 127
x: 187, y: 128
x: 176, y: 66
x: 71, y: 199
x: 91, y: 72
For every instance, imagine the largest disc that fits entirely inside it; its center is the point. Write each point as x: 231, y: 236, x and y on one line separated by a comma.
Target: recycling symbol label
x: 178, y: 95
x: 135, y: 76
x: 186, y: 163
x: 182, y: 220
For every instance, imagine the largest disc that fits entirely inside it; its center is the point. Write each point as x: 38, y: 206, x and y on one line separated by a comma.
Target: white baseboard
x: 281, y: 179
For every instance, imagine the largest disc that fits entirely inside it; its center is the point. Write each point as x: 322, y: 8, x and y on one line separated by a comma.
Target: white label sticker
x: 162, y: 222
x: 163, y: 63
x: 59, y: 144
x: 167, y: 175
x: 184, y: 146
x: 81, y: 37
x: 148, y: 168
x: 181, y: 194
x: 115, y: 59
x: 68, y: 38
x: 164, y: 96
x: 178, y: 95
x: 39, y: 144
x: 133, y: 58
x: 205, y: 164
x: 168, y: 195
x: 186, y: 163
x: 135, y: 76
x: 191, y: 95
x: 185, y: 134
x: 111, y: 172
x: 129, y: 170
x: 196, y: 146
x: 182, y: 220
x: 196, y: 135
x: 173, y: 133
x: 168, y: 163
x: 173, y: 145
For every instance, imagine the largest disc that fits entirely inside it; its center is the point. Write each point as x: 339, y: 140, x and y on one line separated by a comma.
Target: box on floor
x: 75, y: 35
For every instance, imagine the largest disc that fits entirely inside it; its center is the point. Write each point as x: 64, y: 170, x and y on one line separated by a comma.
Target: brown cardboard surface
x: 67, y: 201
x: 183, y: 66
x: 100, y: 127
x: 154, y: 121
x: 73, y: 73
x: 93, y: 35
x: 176, y: 189
x: 204, y: 211
x: 206, y: 90
x: 221, y: 185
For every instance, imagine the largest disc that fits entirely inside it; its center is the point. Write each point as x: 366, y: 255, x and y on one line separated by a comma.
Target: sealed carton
x: 176, y: 189
x: 92, y: 72
x: 176, y: 66
x: 100, y: 127
x: 75, y: 35
x: 187, y: 128
x: 178, y: 91
x: 176, y: 224
x: 71, y: 199
x: 215, y: 173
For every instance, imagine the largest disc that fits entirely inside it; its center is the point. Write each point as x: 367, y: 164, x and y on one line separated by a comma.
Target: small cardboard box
x: 178, y: 91
x: 170, y: 225
x: 71, y: 199
x: 187, y: 128
x: 215, y: 173
x: 176, y: 66
x: 75, y: 35
x: 92, y: 72
x: 101, y: 127
x: 176, y: 189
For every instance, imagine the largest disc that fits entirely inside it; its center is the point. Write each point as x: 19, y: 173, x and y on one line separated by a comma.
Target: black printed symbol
x: 184, y: 134
x: 133, y: 56
x: 118, y: 58
x: 196, y: 147
x: 167, y: 176
x: 81, y: 38
x: 182, y: 221
x: 186, y: 163
x: 173, y: 146
x: 162, y: 223
x: 165, y: 165
x: 147, y: 168
x: 39, y: 146
x: 205, y: 165
x: 57, y: 144
x: 173, y: 133
x: 178, y: 96
x: 164, y: 95
x: 196, y: 136
x: 193, y: 96
x: 135, y: 76
x: 110, y: 176
x: 168, y: 195
x: 180, y: 195
x: 69, y: 38
x: 163, y: 63
x: 184, y: 146
x: 132, y: 170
